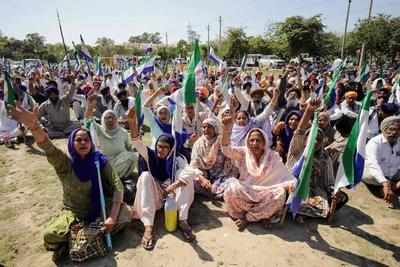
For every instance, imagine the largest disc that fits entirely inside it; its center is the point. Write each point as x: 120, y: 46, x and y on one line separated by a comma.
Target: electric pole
x: 345, y: 30
x: 208, y: 37
x: 220, y: 28
x: 166, y: 39
x: 363, y: 44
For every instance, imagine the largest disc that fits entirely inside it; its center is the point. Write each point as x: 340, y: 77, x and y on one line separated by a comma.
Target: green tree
x: 105, y: 46
x: 381, y: 36
x: 146, y: 37
x: 303, y: 35
x: 183, y: 48
x: 235, y: 44
x: 259, y: 45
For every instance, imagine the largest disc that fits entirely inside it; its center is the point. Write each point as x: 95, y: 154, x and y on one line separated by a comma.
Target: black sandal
x: 186, y: 231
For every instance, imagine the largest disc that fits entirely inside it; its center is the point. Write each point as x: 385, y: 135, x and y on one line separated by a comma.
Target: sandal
x: 186, y: 231
x: 341, y: 199
x: 241, y: 223
x: 148, y: 241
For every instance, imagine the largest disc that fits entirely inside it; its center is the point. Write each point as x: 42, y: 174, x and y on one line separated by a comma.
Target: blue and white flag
x: 146, y: 67
x: 84, y: 52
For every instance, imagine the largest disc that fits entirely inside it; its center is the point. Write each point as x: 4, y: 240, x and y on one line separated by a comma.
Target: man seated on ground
x: 122, y: 106
x: 55, y: 112
x: 382, y: 172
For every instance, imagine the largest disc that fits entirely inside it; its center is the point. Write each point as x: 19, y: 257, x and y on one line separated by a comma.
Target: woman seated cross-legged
x: 156, y: 183
x: 261, y: 190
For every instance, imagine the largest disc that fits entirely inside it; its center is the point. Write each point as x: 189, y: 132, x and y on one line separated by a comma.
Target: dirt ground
x: 364, y: 233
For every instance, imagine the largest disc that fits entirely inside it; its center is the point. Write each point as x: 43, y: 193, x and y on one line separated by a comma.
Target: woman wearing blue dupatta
x: 158, y: 180
x: 77, y: 173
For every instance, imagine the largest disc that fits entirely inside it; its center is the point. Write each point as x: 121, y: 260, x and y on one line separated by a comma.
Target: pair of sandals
x: 187, y: 232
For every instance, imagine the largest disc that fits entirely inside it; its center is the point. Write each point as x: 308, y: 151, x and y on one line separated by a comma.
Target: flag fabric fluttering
x: 302, y: 170
x: 99, y: 68
x: 193, y: 73
x: 351, y: 161
x: 146, y: 67
x: 330, y: 97
x: 84, y: 52
x: 148, y: 49
x: 243, y: 63
x: 138, y: 105
x: 363, y: 74
x: 214, y: 58
x: 10, y: 94
x: 395, y: 94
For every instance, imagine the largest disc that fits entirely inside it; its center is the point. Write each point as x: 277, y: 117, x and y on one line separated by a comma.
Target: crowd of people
x: 240, y: 142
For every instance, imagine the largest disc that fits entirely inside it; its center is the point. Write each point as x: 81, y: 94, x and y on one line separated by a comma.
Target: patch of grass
x: 8, y: 250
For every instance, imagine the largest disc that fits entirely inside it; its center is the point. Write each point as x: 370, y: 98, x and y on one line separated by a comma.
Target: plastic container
x: 170, y: 213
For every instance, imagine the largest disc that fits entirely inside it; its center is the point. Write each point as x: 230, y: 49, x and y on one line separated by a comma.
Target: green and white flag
x: 351, y: 162
x: 10, y: 95
x: 193, y: 75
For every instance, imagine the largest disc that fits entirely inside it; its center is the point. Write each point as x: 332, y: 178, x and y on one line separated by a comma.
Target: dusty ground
x: 364, y: 233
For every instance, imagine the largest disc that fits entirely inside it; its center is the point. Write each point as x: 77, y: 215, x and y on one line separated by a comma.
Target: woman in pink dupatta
x: 260, y: 192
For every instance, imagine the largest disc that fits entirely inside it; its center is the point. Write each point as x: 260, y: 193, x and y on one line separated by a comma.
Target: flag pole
x: 63, y: 40
x: 103, y: 203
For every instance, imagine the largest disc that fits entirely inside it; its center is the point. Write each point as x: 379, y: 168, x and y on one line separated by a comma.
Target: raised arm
x: 150, y: 100
x: 271, y: 106
x: 312, y: 106
x: 90, y: 105
x: 56, y: 157
x: 135, y: 136
x: 227, y: 122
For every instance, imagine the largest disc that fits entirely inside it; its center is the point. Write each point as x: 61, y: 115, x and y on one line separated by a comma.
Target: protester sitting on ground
x: 349, y: 107
x: 322, y: 177
x: 261, y: 190
x: 158, y: 181
x: 343, y: 129
x: 209, y: 167
x: 104, y: 101
x: 382, y: 174
x: 55, y: 112
x: 78, y: 175
x: 283, y: 133
x: 122, y: 106
x: 324, y: 124
x: 244, y: 122
x: 114, y: 142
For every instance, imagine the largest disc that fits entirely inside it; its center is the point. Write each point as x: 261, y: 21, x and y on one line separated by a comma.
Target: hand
x: 109, y: 224
x: 204, y: 183
x: 233, y: 104
x: 29, y: 119
x: 227, y: 120
x: 92, y: 99
x: 171, y: 189
x: 388, y: 193
x: 193, y: 138
x: 313, y: 105
x: 290, y: 188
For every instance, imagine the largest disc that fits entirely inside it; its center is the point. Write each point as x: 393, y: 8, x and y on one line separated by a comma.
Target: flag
x: 147, y: 66
x: 99, y: 69
x: 351, y: 162
x: 330, y: 97
x: 363, y: 74
x: 138, y: 105
x: 395, y: 94
x: 128, y: 74
x: 84, y: 52
x: 320, y: 89
x: 303, y: 168
x: 243, y: 64
x: 190, y: 82
x: 148, y: 49
x: 10, y: 95
x: 175, y: 105
x: 214, y: 58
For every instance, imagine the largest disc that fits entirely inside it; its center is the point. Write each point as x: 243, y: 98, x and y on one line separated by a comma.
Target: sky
x: 120, y: 19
